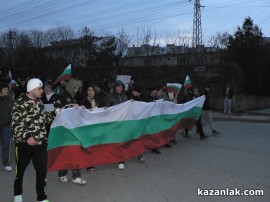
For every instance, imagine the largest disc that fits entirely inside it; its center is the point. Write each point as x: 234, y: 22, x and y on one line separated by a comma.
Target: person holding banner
x: 91, y: 102
x: 162, y: 95
x: 100, y: 94
x: 199, y: 122
x: 66, y: 101
x: 137, y: 95
x: 117, y: 96
x: 152, y: 97
x: 187, y: 96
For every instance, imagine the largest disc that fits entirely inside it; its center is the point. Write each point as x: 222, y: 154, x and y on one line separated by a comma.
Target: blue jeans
x: 5, y: 133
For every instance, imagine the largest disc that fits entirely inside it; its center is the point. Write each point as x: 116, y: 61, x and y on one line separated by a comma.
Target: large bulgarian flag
x: 173, y: 87
x: 187, y: 83
x: 80, y: 138
x: 66, y: 75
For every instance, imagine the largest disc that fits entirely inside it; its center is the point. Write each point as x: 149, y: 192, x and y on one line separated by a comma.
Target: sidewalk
x: 254, y: 116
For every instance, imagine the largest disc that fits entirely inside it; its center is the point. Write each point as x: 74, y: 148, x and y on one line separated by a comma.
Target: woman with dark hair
x: 100, y: 94
x: 90, y: 102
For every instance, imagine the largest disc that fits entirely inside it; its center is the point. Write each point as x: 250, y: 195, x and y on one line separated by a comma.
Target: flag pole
x: 177, y: 94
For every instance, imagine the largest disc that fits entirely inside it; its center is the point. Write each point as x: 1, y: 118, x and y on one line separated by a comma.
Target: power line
x: 38, y: 18
x: 97, y: 13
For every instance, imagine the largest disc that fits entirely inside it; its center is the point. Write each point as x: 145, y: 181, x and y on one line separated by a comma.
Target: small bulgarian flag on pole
x: 173, y: 87
x: 66, y: 75
x: 187, y: 83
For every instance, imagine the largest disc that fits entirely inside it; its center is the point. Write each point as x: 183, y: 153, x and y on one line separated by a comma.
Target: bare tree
x: 38, y: 38
x: 61, y: 33
x: 123, y: 43
x: 3, y: 39
x: 219, y: 40
x: 23, y: 40
x: 179, y: 38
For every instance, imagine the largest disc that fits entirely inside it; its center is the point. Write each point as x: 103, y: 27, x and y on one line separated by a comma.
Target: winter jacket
x: 116, y: 98
x: 88, y: 105
x: 66, y: 98
x: 207, y: 103
x: 5, y: 110
x: 54, y: 99
x: 29, y: 120
x: 230, y: 93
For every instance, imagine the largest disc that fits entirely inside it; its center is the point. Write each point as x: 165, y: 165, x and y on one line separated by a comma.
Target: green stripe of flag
x: 116, y: 132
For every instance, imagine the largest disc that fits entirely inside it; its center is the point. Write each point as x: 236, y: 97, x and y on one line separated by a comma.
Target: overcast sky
x: 163, y: 16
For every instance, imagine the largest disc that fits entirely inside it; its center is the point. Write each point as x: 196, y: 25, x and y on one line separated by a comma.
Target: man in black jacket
x: 5, y: 120
x: 206, y: 110
x: 49, y: 97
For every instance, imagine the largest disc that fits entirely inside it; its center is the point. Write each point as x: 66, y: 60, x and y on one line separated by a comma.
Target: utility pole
x: 197, y: 24
x: 10, y: 49
x: 10, y: 39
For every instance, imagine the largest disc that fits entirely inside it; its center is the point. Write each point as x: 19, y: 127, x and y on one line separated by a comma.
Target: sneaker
x: 204, y: 137
x: 78, y: 180
x: 121, y: 166
x: 167, y: 145
x: 173, y: 141
x: 8, y: 168
x: 156, y: 151
x: 46, y: 200
x: 141, y: 159
x: 18, y: 198
x: 186, y: 136
x: 63, y: 179
x: 90, y: 169
x: 215, y: 132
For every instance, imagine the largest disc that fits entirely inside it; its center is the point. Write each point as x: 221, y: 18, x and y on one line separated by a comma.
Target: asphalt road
x: 237, y: 158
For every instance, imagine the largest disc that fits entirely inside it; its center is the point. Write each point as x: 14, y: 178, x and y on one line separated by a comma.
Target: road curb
x: 241, y: 120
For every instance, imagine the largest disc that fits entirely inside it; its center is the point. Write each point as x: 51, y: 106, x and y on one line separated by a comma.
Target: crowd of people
x: 29, y: 106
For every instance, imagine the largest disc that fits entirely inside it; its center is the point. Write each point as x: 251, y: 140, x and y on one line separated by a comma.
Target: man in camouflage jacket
x: 30, y: 135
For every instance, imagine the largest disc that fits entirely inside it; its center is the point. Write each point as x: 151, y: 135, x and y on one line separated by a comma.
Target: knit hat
x: 33, y: 83
x: 13, y: 82
x: 72, y: 87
